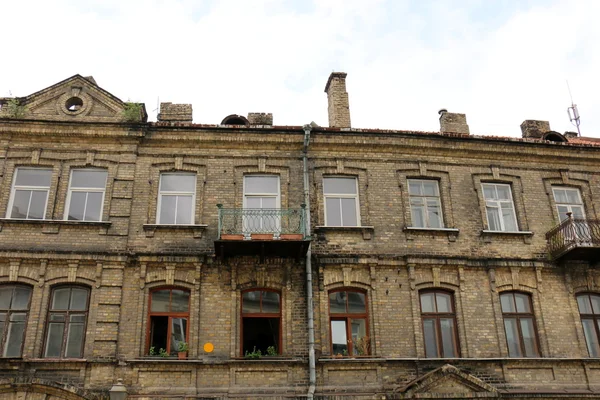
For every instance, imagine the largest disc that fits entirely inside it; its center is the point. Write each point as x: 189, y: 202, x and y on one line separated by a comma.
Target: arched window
x: 349, y: 318
x: 519, y: 325
x: 589, y: 310
x: 14, y: 309
x: 66, y: 322
x: 261, y: 321
x: 439, y: 324
x: 168, y: 320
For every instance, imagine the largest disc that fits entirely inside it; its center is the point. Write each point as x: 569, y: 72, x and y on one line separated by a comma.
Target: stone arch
x: 40, y: 389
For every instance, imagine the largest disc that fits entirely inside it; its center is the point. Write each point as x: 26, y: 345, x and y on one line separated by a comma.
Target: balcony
x: 261, y: 231
x: 575, y: 239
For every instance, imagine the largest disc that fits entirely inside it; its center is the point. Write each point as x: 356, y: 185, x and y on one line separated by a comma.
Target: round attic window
x: 74, y: 104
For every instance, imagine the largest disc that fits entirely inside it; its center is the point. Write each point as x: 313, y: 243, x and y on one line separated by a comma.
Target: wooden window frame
x: 67, y: 313
x: 437, y: 316
x: 169, y: 314
x: 8, y: 312
x: 347, y: 317
x: 260, y: 315
x: 595, y: 317
x: 518, y: 316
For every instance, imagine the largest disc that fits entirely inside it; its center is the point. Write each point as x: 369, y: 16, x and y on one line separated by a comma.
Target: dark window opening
x: 168, y: 320
x: 261, y: 322
x: 74, y: 104
x: 260, y: 334
x: 235, y: 120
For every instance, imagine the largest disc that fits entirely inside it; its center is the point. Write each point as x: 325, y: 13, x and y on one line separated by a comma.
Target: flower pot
x: 262, y: 236
x: 229, y: 236
x: 182, y: 355
x: 291, y: 236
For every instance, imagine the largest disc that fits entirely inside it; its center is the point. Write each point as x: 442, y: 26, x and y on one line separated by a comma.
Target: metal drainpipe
x: 312, y: 370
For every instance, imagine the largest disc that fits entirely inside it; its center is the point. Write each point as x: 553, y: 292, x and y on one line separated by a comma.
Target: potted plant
x: 182, y: 350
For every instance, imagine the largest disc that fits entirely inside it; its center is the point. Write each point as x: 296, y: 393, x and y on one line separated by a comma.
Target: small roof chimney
x: 260, y: 119
x: 533, y: 129
x: 175, y: 112
x: 337, y: 100
x: 453, y: 123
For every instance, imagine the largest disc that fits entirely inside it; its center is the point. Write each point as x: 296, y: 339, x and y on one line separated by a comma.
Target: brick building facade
x: 438, y: 264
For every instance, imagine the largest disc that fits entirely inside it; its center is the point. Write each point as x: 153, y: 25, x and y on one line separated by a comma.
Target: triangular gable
x: 76, y: 98
x: 444, y: 382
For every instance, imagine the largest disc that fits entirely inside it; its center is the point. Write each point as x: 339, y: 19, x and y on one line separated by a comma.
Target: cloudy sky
x: 498, y: 61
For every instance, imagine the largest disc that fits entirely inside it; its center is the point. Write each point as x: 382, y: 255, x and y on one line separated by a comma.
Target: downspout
x: 312, y: 370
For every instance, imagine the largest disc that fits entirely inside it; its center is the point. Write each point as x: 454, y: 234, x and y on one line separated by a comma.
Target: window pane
x: 5, y: 297
x: 417, y: 212
x: 444, y: 302
x: 269, y: 202
x: 508, y: 217
x: 167, y: 209
x: 14, y: 338
x: 33, y: 177
x: 178, y: 183
x: 253, y: 202
x: 360, y: 341
x: 493, y: 219
x: 427, y: 302
x: 178, y: 333
x: 89, y: 179
x: 429, y: 333
x: 159, y: 326
x: 512, y: 337
x: 595, y: 303
x: 184, y: 210
x: 560, y: 196
x: 577, y: 212
x: 77, y: 206
x: 54, y: 339
x: 562, y: 211
x: 261, y: 184
x: 339, y: 339
x: 356, y: 303
x: 21, y: 298
x: 37, y: 208
x: 508, y: 304
x: 160, y: 300
x: 337, y: 302
x: 573, y: 196
x: 78, y: 299
x: 94, y: 205
x: 583, y: 302
x: 180, y: 300
x: 488, y: 192
x: 333, y: 214
x: 522, y: 301
x: 251, y: 302
x: 270, y: 302
x: 339, y: 185
x: 430, y: 188
x: 74, y: 340
x: 434, y: 212
x: 60, y: 299
x: 20, y: 204
x: 591, y: 338
x: 503, y: 192
x: 414, y: 188
x: 349, y: 212
x: 529, y: 340
x: 447, y: 327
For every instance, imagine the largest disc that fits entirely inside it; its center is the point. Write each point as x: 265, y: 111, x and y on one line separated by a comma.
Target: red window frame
x: 437, y: 316
x: 347, y: 317
x: 518, y: 316
x: 259, y: 315
x: 170, y: 315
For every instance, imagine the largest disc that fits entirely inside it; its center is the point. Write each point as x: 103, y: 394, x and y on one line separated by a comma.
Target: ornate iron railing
x: 573, y: 233
x: 270, y: 221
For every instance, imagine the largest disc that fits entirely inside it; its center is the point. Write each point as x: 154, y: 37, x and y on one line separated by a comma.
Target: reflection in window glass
x: 590, y: 320
x: 14, y: 307
x: 348, y: 323
x: 439, y: 326
x: 519, y: 325
x: 425, y: 204
x: 66, y: 323
x: 86, y: 195
x: 29, y: 194
x: 168, y: 319
x: 176, y: 196
x: 341, y: 201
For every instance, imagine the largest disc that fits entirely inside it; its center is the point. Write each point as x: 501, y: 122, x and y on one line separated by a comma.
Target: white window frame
x: 568, y: 205
x: 14, y: 189
x: 497, y: 204
x: 426, y: 198
x: 340, y: 196
x: 176, y: 193
x: 277, y: 196
x: 85, y: 190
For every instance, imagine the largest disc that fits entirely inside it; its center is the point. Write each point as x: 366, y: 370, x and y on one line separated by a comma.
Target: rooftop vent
x: 553, y: 136
x: 235, y: 119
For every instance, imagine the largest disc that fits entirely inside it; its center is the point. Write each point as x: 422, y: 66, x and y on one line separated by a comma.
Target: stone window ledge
x: 487, y: 235
x: 349, y: 359
x: 52, y: 226
x: 411, y: 231
x: 196, y: 229
x: 367, y: 231
x: 215, y: 360
x: 58, y: 360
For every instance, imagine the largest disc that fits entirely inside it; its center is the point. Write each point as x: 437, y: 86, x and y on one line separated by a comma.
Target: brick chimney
x: 534, y: 129
x: 337, y: 100
x: 175, y: 112
x: 260, y: 119
x: 453, y: 123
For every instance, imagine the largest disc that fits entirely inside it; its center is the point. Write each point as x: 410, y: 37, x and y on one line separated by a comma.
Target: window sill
x: 52, y: 226
x: 214, y: 360
x: 197, y: 229
x: 415, y: 230
x: 367, y: 231
x: 487, y: 235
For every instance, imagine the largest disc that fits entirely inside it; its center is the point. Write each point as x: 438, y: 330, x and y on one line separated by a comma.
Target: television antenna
x: 573, y: 113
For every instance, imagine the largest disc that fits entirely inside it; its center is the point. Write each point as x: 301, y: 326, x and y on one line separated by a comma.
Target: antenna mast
x: 573, y: 113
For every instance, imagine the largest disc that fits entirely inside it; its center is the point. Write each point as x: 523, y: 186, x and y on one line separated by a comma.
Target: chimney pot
x: 337, y: 99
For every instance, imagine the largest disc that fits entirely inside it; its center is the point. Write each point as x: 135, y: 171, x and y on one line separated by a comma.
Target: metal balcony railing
x: 573, y: 234
x: 247, y: 222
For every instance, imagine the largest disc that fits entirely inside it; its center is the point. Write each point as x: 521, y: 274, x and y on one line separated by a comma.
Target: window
x: 176, y: 199
x: 261, y: 199
x: 589, y: 310
x: 86, y: 195
x: 348, y: 320
x: 261, y: 321
x: 168, y: 319
x: 439, y: 324
x: 425, y: 205
x: 499, y: 207
x: 568, y: 200
x: 66, y: 323
x: 341, y: 201
x: 519, y: 325
x: 29, y: 195
x: 14, y: 307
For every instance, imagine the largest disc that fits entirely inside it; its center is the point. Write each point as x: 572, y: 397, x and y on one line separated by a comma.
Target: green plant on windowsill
x: 152, y: 351
x: 362, y: 346
x: 272, y: 351
x: 182, y: 347
x: 254, y: 354
x: 163, y: 353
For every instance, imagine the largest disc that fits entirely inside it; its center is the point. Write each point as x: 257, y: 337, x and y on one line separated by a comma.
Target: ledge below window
x: 197, y: 229
x: 487, y: 235
x: 411, y: 231
x: 52, y: 226
x: 367, y: 231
